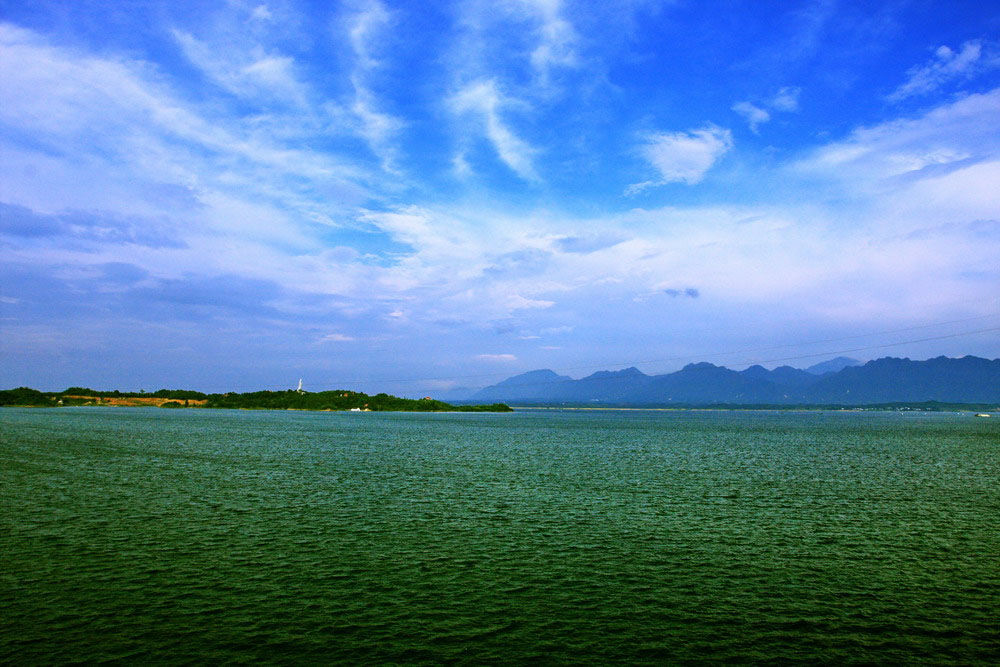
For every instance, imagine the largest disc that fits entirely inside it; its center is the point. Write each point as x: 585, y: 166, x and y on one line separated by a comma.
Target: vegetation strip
x: 339, y: 400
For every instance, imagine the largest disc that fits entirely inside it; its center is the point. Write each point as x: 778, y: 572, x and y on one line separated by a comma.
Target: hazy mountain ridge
x: 967, y: 379
x: 834, y: 365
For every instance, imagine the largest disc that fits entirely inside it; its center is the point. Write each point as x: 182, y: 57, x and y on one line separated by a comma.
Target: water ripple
x: 134, y: 535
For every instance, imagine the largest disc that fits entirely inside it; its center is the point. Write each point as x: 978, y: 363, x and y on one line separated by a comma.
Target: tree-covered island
x: 338, y: 400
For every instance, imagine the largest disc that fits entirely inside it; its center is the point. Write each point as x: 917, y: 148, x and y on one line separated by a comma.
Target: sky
x: 412, y: 197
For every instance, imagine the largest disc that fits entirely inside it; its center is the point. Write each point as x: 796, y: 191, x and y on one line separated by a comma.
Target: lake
x: 144, y: 534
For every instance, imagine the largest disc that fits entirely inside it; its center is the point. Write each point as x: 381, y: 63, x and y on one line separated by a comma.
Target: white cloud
x: 379, y: 128
x: 730, y: 255
x: 518, y: 302
x: 786, y: 99
x: 942, y: 138
x: 499, y: 358
x: 684, y: 157
x: 946, y: 65
x: 538, y: 29
x: 250, y: 73
x: 113, y: 107
x: 755, y: 115
x: 484, y: 100
x: 364, y: 29
x: 337, y: 338
x: 556, y: 38
x: 460, y: 165
x: 261, y: 13
x: 129, y: 146
x: 508, y: 63
x: 254, y: 201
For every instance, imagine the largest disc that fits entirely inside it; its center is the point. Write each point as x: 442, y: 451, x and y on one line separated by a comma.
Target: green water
x: 554, y: 537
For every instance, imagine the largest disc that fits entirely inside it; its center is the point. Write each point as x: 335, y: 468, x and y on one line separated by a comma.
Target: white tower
x: 300, y: 386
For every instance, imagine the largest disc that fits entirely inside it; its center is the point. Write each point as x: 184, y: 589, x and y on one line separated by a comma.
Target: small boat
x: 984, y: 414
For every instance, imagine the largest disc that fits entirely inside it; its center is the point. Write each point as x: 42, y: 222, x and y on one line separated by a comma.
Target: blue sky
x: 411, y: 197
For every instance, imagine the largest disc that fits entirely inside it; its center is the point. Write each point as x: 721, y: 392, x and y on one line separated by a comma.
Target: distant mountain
x: 609, y: 386
x: 530, y: 386
x: 706, y: 383
x: 965, y: 380
x: 833, y: 365
x: 784, y: 376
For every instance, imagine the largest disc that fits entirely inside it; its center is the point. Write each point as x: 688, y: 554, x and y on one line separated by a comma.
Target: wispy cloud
x: 249, y: 193
x: 556, y: 38
x: 497, y: 358
x: 485, y: 102
x: 950, y: 135
x: 683, y: 157
x: 796, y: 40
x: 786, y: 100
x: 252, y: 74
x: 104, y: 107
x: 532, y: 33
x: 971, y: 59
x: 510, y: 64
x: 754, y: 115
x: 379, y: 128
x: 261, y: 13
x: 183, y: 188
x: 337, y: 338
x: 364, y: 28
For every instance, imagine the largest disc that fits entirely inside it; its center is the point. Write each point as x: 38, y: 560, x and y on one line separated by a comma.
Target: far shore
x: 959, y: 408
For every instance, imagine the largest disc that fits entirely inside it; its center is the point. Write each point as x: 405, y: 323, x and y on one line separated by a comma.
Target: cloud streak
x: 556, y: 39
x: 497, y: 358
x: 378, y: 128
x: 947, y: 65
x: 948, y: 136
x: 785, y: 100
x: 484, y: 102
x: 755, y: 116
x: 254, y: 75
x: 269, y: 193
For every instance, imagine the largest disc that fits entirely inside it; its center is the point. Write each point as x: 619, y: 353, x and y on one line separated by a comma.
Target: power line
x: 344, y: 382
x: 699, y: 356
x: 877, y: 347
x: 804, y: 356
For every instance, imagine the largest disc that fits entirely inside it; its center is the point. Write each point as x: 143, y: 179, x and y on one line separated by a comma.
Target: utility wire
x: 344, y: 382
x: 876, y: 347
x: 791, y: 358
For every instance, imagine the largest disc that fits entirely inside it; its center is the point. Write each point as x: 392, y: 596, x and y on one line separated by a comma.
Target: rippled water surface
x: 147, y: 534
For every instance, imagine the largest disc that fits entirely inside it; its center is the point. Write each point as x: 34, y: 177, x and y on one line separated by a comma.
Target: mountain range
x: 840, y: 381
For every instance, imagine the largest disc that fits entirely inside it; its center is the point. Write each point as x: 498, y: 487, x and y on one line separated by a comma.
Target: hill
x: 889, y: 380
x: 833, y: 365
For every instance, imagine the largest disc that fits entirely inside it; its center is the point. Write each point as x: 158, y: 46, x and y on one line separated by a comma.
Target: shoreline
x: 972, y: 410
x: 752, y: 408
x: 207, y: 408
